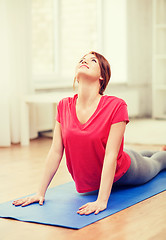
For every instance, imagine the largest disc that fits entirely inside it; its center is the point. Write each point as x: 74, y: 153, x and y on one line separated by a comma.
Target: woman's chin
x: 83, y: 75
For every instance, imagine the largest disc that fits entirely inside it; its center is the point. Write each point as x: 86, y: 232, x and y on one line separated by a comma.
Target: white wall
x: 115, y: 37
x: 137, y: 90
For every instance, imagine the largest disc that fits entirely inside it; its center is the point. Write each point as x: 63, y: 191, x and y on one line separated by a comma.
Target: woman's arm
x: 53, y: 159
x: 109, y: 167
x: 110, y: 160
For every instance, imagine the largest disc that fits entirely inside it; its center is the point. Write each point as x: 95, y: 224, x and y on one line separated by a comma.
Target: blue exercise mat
x: 62, y: 203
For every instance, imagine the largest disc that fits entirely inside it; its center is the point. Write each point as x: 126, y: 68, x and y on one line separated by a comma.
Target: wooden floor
x: 20, y: 172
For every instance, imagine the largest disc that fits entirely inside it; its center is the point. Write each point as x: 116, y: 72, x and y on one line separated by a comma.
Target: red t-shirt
x: 85, y: 143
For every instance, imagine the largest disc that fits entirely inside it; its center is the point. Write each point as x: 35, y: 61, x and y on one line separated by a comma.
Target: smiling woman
x: 83, y: 129
x: 90, y: 127
x: 101, y: 66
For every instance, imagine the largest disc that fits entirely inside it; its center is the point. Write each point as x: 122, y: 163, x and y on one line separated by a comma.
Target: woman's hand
x: 91, y: 207
x: 28, y: 200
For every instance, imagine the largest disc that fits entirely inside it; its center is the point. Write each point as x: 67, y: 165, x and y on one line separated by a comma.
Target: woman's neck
x: 88, y: 97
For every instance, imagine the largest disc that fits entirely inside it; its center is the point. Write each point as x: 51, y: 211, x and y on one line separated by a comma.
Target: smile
x: 84, y: 66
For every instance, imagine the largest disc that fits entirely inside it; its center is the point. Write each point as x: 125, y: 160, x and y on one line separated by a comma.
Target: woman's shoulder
x: 67, y: 100
x: 114, y: 100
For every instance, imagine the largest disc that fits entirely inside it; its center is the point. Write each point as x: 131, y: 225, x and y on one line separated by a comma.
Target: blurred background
x: 42, y: 41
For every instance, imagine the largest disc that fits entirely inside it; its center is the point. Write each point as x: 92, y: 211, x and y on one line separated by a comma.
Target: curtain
x: 16, y: 67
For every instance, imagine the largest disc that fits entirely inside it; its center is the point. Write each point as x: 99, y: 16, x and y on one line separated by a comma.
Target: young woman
x: 90, y: 127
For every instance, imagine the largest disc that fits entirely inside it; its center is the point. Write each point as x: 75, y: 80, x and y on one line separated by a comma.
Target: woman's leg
x: 142, y: 168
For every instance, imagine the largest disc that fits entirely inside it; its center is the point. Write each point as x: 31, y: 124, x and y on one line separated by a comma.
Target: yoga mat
x: 62, y: 202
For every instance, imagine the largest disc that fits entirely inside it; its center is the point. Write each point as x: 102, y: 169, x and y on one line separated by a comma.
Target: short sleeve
x: 58, y: 112
x: 121, y: 114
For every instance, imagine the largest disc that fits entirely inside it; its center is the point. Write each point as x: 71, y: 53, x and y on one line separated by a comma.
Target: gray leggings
x: 145, y: 165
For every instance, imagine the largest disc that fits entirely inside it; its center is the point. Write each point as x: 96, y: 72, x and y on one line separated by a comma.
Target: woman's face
x: 89, y: 67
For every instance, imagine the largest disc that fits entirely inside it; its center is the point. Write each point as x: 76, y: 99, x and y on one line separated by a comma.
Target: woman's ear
x: 75, y: 79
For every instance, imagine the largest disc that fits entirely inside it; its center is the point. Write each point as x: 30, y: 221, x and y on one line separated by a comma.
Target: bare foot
x: 163, y: 148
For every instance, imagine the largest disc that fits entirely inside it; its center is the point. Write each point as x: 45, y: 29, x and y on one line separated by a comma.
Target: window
x: 44, y: 41
x: 64, y: 30
x: 78, y: 32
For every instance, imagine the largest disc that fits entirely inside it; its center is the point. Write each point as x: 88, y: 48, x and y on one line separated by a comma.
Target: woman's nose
x: 84, y: 61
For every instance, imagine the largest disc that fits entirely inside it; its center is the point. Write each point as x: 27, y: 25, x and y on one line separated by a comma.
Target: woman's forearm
x: 51, y: 166
x: 107, y: 177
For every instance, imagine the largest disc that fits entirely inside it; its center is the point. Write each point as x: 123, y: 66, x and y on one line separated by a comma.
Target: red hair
x: 105, y: 71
